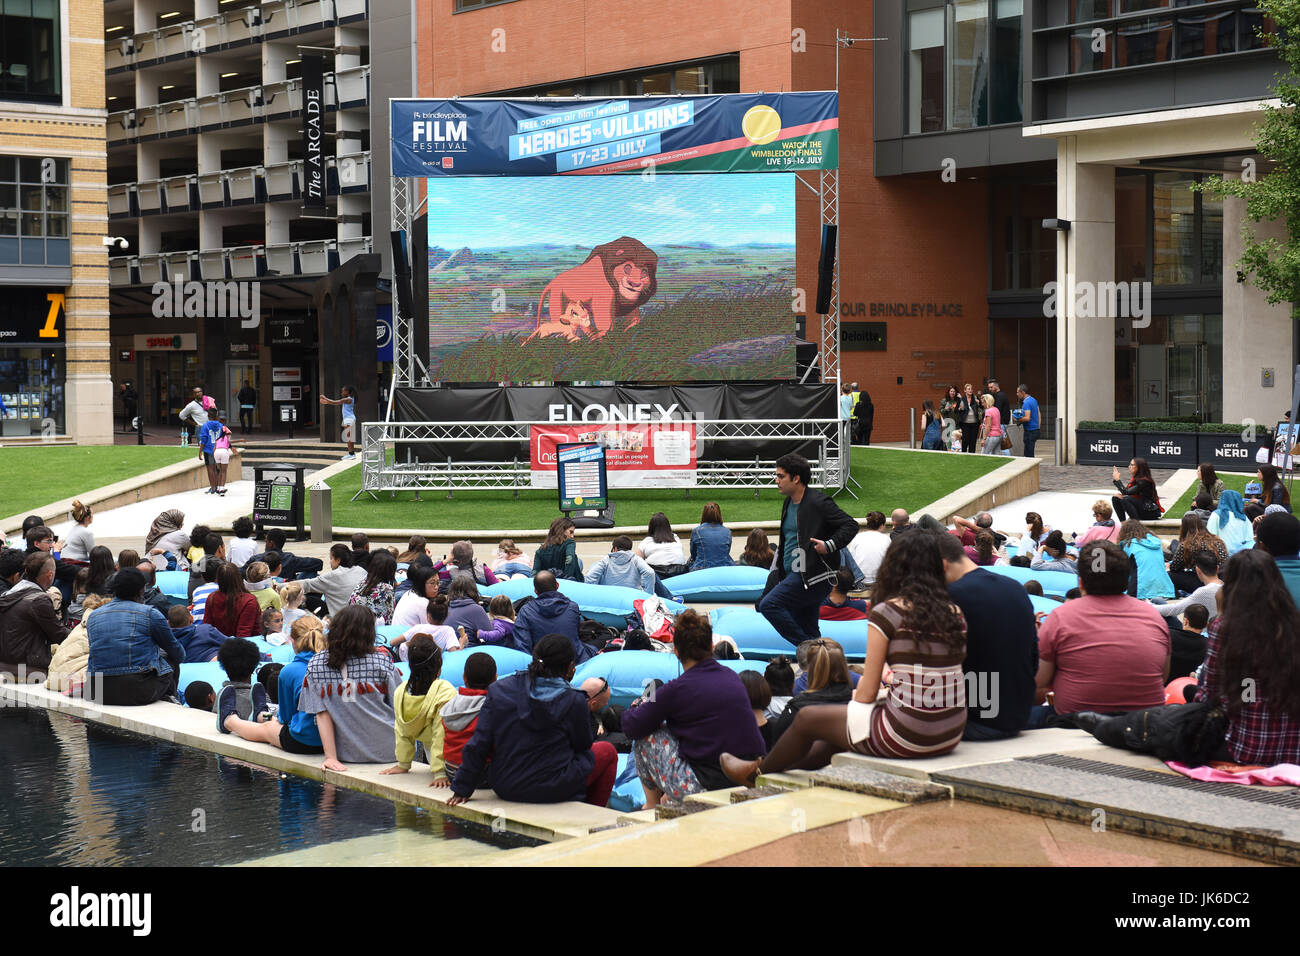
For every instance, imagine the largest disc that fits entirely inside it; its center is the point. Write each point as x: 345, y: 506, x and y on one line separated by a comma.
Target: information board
x: 580, y: 469
x: 273, y: 503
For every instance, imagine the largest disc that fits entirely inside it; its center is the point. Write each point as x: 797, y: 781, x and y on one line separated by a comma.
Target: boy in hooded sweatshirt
x: 417, y: 708
x: 460, y: 714
x: 623, y: 568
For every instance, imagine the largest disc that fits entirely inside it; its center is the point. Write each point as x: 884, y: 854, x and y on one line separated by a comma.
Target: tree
x: 1272, y: 265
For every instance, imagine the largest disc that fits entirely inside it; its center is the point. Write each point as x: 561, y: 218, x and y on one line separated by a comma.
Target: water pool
x: 74, y: 793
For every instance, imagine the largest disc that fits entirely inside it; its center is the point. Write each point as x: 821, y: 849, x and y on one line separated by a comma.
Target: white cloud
x: 765, y: 210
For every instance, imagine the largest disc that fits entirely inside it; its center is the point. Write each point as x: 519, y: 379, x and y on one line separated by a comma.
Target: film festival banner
x: 636, y: 456
x: 726, y: 133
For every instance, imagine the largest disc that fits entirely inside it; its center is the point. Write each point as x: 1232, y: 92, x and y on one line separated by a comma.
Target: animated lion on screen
x: 612, y: 284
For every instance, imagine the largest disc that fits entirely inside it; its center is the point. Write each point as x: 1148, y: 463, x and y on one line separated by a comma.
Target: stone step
x: 35, y: 441
x: 790, y: 780
x: 874, y: 783
x: 712, y: 798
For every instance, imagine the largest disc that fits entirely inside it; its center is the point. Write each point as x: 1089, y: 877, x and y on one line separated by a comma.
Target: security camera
x: 119, y: 241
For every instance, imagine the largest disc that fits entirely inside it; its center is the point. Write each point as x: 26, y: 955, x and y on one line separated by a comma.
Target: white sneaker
x: 348, y: 456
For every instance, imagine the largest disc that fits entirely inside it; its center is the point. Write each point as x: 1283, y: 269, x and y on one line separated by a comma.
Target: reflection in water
x: 75, y: 793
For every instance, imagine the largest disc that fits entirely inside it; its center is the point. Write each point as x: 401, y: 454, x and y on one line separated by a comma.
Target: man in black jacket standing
x: 813, y: 531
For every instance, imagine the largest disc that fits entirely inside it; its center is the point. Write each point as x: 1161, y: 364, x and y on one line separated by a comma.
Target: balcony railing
x: 252, y: 24
x: 257, y: 261
x: 275, y: 182
x: 348, y: 89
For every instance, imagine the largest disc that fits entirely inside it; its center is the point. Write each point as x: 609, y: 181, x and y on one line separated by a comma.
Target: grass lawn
x: 1230, y: 482
x: 890, y: 479
x: 34, y: 476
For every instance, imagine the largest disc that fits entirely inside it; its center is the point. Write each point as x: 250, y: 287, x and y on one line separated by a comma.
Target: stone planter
x: 1166, y: 449
x: 1102, y: 447
x: 1226, y: 452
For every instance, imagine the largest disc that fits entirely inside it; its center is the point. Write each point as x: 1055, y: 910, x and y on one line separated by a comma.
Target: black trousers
x: 1126, y: 507
x: 133, y: 690
x: 245, y: 419
x: 969, y: 435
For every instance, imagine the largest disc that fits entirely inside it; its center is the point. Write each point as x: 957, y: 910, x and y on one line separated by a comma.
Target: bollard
x: 322, y: 514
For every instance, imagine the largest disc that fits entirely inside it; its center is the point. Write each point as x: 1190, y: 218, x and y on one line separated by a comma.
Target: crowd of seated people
x: 956, y: 653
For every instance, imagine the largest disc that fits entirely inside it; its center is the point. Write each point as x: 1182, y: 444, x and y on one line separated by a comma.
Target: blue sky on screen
x: 725, y: 209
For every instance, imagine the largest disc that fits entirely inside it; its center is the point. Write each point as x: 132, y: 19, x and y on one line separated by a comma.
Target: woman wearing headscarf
x: 165, y: 537
x: 1230, y: 524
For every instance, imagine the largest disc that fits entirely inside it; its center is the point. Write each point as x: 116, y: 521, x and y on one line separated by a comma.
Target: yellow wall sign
x: 57, y: 302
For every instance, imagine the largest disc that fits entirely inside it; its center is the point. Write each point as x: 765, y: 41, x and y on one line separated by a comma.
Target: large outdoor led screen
x: 612, y: 278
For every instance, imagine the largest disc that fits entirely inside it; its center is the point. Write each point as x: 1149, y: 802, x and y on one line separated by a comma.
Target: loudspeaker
x: 401, y: 272
x: 804, y: 355
x: 826, y: 269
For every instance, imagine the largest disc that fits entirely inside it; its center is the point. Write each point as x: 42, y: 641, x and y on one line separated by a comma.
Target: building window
x: 34, y: 211
x: 30, y: 68
x: 461, y: 5
x: 964, y: 65
x: 1180, y: 30
x: 925, y: 71
x: 699, y: 78
x: 1024, y: 253
x: 1167, y: 232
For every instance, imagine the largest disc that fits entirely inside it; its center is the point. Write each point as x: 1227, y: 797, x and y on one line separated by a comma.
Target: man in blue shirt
x: 1027, y: 415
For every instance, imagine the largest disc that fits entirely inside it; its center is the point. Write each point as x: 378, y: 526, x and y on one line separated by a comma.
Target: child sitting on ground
x: 838, y: 606
x: 510, y: 562
x: 460, y: 714
x: 502, y: 614
x: 417, y: 708
x: 67, y: 670
x: 292, y: 596
x: 1189, y: 644
x: 201, y: 641
x: 261, y: 586
x: 199, y: 695
x: 780, y: 681
x: 273, y: 626
x: 239, y: 697
x: 760, y: 698
x: 199, y: 535
x: 269, y: 678
x: 436, y: 614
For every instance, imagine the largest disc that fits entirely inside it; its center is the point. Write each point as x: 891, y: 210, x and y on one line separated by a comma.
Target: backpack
x: 595, y: 635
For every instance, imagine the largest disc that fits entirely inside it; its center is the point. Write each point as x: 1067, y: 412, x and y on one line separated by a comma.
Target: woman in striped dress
x: 921, y: 635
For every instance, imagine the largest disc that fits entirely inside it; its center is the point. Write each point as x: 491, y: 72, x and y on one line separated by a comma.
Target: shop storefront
x: 166, y: 369
x: 33, y: 368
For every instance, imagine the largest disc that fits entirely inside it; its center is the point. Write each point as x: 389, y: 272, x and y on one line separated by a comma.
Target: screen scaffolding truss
x: 389, y: 453
x: 382, y: 440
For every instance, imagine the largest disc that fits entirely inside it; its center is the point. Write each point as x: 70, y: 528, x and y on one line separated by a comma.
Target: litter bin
x: 279, y: 500
x: 322, y: 514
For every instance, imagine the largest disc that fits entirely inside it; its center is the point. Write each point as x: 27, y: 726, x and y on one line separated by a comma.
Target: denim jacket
x: 710, y: 547
x: 130, y: 638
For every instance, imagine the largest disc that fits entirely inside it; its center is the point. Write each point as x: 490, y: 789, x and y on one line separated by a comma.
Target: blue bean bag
x: 514, y: 589
x: 280, y: 653
x: 628, y: 794
x: 508, y: 661
x: 1053, y: 582
x: 720, y: 612
x: 210, y: 671
x: 1044, y: 604
x: 738, y: 666
x: 629, y: 672
x: 737, y: 583
x: 605, y: 603
x: 386, y: 632
x: 173, y: 583
x: 755, y: 637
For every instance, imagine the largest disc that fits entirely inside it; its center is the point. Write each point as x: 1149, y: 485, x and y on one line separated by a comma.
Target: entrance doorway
x: 1023, y: 352
x: 237, y: 373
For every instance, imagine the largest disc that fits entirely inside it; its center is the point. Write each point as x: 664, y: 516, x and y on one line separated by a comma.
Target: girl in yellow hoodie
x: 417, y: 708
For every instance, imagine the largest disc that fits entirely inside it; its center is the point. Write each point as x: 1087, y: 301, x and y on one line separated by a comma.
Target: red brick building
x: 914, y: 240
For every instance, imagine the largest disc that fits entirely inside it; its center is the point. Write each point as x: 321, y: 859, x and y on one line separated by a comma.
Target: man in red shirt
x: 1105, y: 651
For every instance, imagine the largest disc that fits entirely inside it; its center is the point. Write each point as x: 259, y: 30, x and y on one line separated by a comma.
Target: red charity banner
x: 627, y: 447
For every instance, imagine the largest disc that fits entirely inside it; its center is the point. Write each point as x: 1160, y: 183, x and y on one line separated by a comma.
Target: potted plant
x: 1166, y: 443
x: 1104, y: 443
x: 1229, y: 446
